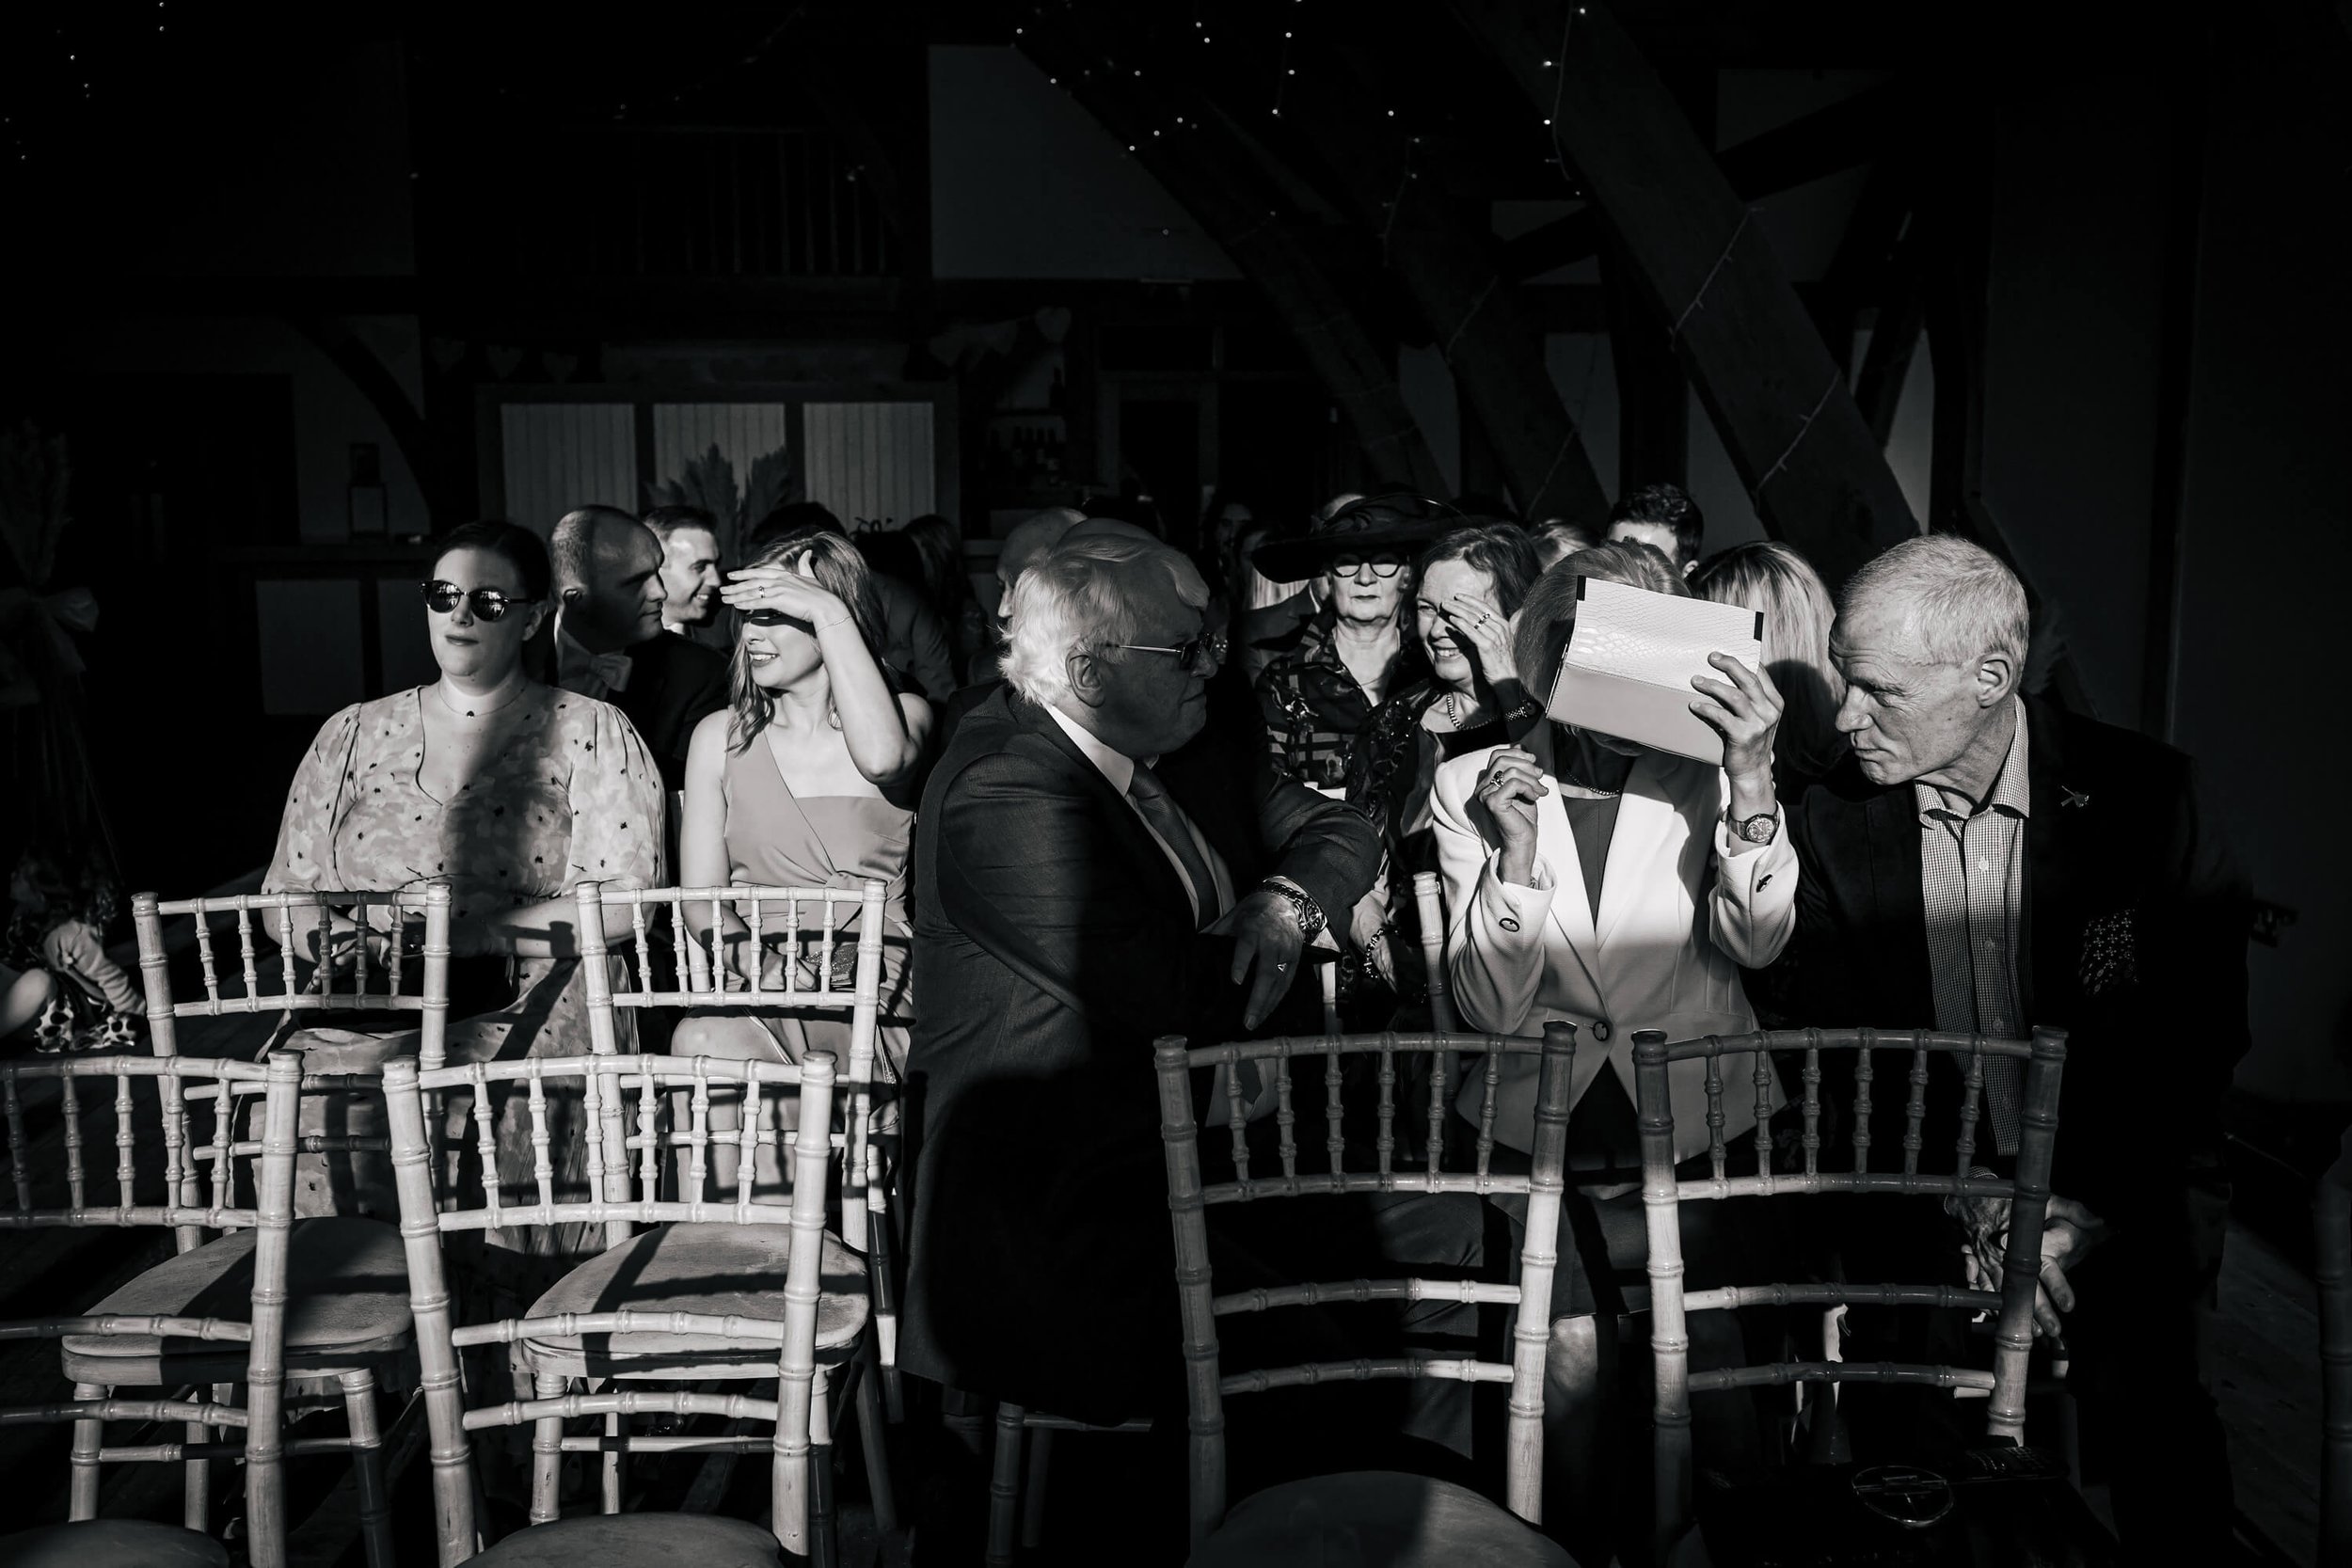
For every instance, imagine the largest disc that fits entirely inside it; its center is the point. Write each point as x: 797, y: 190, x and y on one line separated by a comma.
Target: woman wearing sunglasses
x: 513, y: 793
x: 807, y: 778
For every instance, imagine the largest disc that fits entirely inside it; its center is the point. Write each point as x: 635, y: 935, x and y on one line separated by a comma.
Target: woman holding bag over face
x: 1596, y: 881
x: 807, y: 778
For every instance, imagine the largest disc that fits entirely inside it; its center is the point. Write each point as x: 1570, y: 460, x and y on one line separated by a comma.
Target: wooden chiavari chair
x: 323, y: 965
x: 232, y: 1311
x: 810, y: 1320
x: 1371, y: 1505
x: 769, y: 921
x: 2027, y: 1197
x: 1018, y: 1492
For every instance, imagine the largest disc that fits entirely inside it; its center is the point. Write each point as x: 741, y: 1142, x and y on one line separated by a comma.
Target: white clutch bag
x: 1630, y: 661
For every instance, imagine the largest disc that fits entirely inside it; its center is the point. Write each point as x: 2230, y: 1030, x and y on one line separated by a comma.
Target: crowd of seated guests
x: 1137, y: 801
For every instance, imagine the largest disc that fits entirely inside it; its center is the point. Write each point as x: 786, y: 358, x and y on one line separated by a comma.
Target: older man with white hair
x: 1986, y: 862
x: 1084, y: 883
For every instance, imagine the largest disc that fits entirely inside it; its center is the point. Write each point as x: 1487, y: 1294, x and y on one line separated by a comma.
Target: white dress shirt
x: 1119, y: 771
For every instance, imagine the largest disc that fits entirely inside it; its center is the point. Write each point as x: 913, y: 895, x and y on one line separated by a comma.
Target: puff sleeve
x: 304, y: 856
x: 617, y: 801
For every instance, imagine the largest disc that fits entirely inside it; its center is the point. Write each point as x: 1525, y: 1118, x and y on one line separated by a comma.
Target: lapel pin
x: 2073, y: 797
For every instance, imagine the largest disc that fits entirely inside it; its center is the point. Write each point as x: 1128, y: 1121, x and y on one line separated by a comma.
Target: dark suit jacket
x: 2135, y: 923
x: 914, y: 640
x: 1053, y: 943
x: 673, y: 683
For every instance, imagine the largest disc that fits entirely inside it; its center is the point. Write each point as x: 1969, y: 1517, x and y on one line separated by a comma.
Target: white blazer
x: 1680, y: 913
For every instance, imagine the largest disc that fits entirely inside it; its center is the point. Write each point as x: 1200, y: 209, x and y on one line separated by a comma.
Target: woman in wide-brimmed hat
x: 1346, y: 657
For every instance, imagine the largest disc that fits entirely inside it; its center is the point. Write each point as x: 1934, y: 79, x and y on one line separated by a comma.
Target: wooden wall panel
x: 742, y: 432
x: 869, y: 460
x: 559, y: 455
x: 311, y: 660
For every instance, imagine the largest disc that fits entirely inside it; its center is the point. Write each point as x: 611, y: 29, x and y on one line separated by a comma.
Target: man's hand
x: 2069, y: 1232
x: 1265, y: 935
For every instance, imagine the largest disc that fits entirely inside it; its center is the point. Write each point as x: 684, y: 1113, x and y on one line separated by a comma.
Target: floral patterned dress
x: 569, y: 795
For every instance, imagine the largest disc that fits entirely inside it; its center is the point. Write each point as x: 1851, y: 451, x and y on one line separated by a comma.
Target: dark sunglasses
x: 1383, y: 564
x: 1202, y: 656
x: 488, y: 603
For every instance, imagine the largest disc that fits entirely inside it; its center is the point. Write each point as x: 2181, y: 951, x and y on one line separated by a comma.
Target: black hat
x: 1394, y: 520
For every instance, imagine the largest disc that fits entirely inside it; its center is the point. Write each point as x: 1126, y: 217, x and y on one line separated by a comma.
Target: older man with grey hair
x: 1986, y: 862
x: 1085, y: 881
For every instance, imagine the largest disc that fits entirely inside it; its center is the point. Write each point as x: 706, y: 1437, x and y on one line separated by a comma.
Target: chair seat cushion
x: 717, y: 1269
x: 347, y: 1301
x: 112, y: 1543
x: 1375, y: 1519
x: 635, y: 1541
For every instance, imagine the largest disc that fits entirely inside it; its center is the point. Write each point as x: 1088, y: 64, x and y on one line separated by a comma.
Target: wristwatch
x: 1310, y: 916
x: 1759, y: 829
x: 1527, y: 709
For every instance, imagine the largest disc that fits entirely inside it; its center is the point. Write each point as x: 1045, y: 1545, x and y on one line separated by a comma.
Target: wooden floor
x: 2268, y: 1350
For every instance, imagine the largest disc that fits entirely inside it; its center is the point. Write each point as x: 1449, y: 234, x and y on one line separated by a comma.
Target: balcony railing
x: 626, y: 201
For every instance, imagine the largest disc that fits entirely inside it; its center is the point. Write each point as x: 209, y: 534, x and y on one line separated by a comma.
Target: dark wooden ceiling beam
x: 1217, y: 182
x: 1446, y: 266
x: 1653, y: 398
x: 1852, y: 131
x: 1775, y: 395
x: 1860, y: 271
x: 1894, y: 335
x: 336, y: 338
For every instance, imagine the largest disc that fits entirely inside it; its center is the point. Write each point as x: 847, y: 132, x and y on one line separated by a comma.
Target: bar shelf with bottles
x: 1028, y: 456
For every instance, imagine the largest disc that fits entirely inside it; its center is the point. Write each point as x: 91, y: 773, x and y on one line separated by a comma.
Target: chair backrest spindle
x: 204, y: 957
x: 1491, y: 1093
x: 1863, y: 1082
x: 1915, y: 1109
x: 1429, y: 903
x: 1965, y: 1145
x: 71, y: 1100
x: 1285, y: 1118
x: 1715, y: 1153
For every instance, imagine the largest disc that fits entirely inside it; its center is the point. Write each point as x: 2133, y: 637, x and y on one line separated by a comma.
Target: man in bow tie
x: 608, y: 639
x: 1986, y: 863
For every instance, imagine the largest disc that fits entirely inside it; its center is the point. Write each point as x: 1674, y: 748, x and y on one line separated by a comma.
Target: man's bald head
x: 608, y: 574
